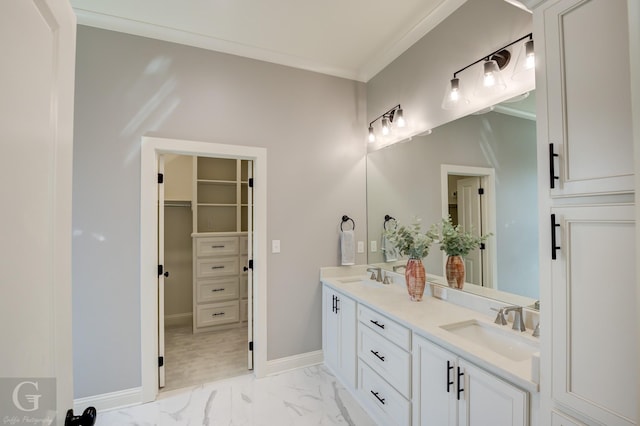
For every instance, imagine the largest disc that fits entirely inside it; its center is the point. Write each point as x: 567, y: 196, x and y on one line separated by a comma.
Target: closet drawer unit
x: 216, y: 246
x: 217, y: 313
x: 388, y: 360
x: 244, y: 305
x: 243, y: 245
x: 244, y: 286
x: 216, y: 267
x: 217, y: 289
x: 383, y: 400
x: 386, y: 327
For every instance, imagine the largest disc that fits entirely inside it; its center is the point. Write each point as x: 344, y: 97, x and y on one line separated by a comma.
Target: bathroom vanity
x: 394, y: 354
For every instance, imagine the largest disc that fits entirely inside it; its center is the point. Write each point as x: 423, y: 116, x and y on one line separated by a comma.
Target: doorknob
x: 166, y: 274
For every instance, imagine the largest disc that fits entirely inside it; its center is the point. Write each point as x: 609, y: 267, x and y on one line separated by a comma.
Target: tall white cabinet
x: 587, y: 229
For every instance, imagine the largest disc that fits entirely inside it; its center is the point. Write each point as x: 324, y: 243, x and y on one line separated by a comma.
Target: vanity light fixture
x: 396, y: 113
x: 526, y: 61
x: 491, y: 79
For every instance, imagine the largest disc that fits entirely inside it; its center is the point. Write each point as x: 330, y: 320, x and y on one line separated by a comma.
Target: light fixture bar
x: 487, y: 57
x: 388, y: 115
x: 387, y: 118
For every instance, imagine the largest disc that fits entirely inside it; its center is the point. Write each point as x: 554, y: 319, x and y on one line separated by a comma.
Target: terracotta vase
x: 455, y: 271
x: 416, y: 279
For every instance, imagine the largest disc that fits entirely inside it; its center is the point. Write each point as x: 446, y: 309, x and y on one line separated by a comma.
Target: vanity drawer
x: 217, y: 289
x: 217, y: 313
x: 386, y: 327
x: 388, y: 360
x: 216, y: 267
x: 216, y: 246
x: 386, y: 404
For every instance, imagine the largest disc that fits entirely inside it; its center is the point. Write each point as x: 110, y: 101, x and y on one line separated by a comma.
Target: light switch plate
x: 275, y: 246
x: 360, y: 246
x: 374, y: 246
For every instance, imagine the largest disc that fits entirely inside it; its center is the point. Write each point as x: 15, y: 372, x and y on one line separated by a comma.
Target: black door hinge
x: 160, y: 270
x: 160, y: 361
x: 480, y: 191
x: 482, y: 246
x: 251, y: 264
x: 250, y: 182
x: 160, y: 178
x: 251, y: 346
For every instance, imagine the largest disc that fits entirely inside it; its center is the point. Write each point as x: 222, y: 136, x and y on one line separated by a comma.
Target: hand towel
x: 389, y: 250
x: 348, y: 247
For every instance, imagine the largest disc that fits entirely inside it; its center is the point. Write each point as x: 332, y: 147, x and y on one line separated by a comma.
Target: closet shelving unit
x: 220, y: 191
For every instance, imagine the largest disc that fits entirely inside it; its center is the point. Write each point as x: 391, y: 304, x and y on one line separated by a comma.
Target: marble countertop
x: 425, y: 318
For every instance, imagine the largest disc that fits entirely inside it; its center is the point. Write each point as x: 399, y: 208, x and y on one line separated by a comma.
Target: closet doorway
x: 205, y: 223
x: 221, y: 259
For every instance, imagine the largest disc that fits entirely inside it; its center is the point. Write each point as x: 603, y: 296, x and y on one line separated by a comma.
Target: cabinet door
x: 330, y: 327
x: 490, y: 401
x: 347, y: 345
x: 594, y: 328
x: 434, y: 385
x: 588, y: 98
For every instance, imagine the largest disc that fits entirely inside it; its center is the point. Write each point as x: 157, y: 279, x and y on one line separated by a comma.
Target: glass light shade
x: 454, y: 95
x: 525, y: 65
x: 385, y: 126
x: 399, y: 118
x: 372, y: 135
x: 491, y: 80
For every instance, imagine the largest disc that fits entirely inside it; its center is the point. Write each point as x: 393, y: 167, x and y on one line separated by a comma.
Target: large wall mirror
x: 427, y: 176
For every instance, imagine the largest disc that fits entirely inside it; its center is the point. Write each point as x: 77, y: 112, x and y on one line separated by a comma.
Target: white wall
x: 313, y: 127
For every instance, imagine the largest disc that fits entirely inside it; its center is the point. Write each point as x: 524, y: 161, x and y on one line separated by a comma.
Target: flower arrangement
x: 455, y: 241
x: 411, y: 241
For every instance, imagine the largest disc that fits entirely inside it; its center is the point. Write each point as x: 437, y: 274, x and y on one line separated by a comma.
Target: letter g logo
x: 33, y: 399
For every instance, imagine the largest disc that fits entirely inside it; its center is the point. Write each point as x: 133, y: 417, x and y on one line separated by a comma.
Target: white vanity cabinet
x: 449, y: 391
x: 384, y: 367
x: 588, y: 257
x: 339, y: 335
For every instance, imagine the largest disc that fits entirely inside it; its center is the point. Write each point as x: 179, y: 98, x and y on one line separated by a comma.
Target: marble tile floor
x: 301, y: 397
x: 193, y: 359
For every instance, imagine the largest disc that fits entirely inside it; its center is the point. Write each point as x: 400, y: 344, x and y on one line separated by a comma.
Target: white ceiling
x: 353, y: 39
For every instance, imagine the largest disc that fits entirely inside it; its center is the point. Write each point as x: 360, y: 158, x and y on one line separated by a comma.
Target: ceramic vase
x: 455, y: 271
x: 416, y: 279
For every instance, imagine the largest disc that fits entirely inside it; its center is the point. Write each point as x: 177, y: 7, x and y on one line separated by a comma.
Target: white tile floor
x: 306, y: 396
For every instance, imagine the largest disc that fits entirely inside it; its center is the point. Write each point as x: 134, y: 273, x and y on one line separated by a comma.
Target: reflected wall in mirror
x: 404, y: 180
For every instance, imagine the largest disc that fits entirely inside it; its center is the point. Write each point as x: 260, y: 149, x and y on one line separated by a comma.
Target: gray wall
x: 403, y: 180
x: 313, y: 127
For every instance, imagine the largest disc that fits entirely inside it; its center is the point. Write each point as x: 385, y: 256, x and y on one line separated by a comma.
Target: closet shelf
x: 216, y: 205
x: 217, y: 182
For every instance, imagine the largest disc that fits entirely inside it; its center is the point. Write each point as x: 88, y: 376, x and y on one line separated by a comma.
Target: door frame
x: 488, y: 180
x: 151, y: 149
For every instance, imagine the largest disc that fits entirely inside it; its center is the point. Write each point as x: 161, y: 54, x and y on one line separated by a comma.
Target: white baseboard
x: 109, y: 401
x: 178, y: 319
x: 281, y: 365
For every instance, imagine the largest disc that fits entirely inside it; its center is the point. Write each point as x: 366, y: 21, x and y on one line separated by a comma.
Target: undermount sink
x: 362, y: 280
x: 501, y: 341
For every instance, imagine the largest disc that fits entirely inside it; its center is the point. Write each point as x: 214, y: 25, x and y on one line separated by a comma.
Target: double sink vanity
x: 441, y: 361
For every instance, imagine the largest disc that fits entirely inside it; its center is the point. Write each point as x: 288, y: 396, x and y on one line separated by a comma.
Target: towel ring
x: 346, y: 218
x: 387, y: 218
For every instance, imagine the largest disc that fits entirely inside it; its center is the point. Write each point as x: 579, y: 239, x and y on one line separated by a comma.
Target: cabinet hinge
x: 251, y: 346
x: 160, y: 361
x: 251, y: 264
x: 482, y: 246
x: 480, y: 191
x: 160, y: 178
x: 160, y: 270
x: 250, y: 182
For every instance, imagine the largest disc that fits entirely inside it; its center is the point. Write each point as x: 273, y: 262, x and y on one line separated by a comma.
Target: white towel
x: 389, y: 250
x: 348, y: 247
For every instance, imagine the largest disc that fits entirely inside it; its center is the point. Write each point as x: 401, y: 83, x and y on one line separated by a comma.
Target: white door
x: 161, y: 273
x: 470, y: 219
x: 250, y: 271
x: 37, y: 41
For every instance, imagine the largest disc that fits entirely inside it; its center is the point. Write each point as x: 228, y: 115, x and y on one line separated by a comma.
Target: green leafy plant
x: 411, y: 241
x: 454, y: 241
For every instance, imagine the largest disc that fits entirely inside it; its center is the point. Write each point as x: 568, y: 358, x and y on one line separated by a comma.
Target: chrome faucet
x: 396, y: 267
x: 375, y: 271
x: 500, y: 319
x: 518, y: 320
